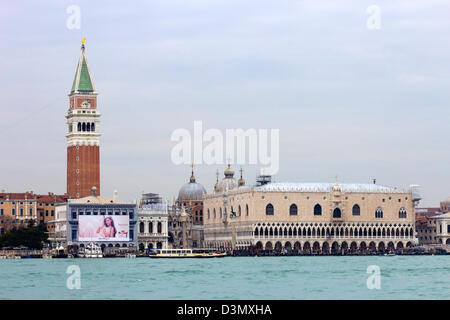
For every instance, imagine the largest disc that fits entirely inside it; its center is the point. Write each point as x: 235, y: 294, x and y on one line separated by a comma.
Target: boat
x: 93, y: 251
x: 130, y: 255
x: 390, y: 254
x: 186, y: 253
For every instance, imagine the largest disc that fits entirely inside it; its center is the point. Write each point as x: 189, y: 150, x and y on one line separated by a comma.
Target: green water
x: 402, y: 277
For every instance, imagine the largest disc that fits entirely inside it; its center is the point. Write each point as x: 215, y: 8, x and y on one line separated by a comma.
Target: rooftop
x: 326, y: 187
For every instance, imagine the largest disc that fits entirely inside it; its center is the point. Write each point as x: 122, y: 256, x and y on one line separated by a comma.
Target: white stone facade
x: 280, y: 216
x: 152, y: 226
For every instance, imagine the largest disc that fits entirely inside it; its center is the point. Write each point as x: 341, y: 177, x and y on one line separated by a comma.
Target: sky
x: 349, y: 100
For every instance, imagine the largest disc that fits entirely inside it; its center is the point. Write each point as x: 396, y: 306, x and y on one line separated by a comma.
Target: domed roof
x: 241, y: 181
x: 228, y: 182
x: 191, y: 190
x: 229, y: 173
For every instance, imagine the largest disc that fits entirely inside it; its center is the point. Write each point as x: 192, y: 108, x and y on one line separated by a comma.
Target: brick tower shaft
x: 83, y: 124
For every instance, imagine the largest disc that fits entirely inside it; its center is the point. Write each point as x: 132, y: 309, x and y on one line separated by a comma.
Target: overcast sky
x: 349, y: 101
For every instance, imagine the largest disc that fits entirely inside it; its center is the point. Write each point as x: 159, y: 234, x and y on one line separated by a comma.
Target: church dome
x: 227, y: 183
x: 191, y: 190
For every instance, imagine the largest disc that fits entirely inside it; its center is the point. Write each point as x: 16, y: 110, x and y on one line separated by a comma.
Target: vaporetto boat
x: 186, y: 253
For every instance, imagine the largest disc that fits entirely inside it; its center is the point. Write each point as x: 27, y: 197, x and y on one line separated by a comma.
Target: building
x: 83, y: 132
x: 426, y: 227
x: 432, y: 225
x: 95, y: 219
x: 188, y: 210
x: 309, y: 217
x: 445, y: 206
x: 442, y: 223
x: 153, y: 217
x: 27, y: 208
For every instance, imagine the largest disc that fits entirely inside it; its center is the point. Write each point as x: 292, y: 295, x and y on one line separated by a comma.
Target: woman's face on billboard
x: 108, y: 222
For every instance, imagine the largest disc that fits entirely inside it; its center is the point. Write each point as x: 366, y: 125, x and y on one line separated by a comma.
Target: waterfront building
x: 153, y: 217
x: 95, y: 219
x: 27, y: 208
x: 187, y: 211
x: 426, y: 227
x: 83, y: 132
x: 442, y: 223
x: 308, y: 217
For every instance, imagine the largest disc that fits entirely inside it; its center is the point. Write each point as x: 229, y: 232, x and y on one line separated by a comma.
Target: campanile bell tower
x: 83, y: 145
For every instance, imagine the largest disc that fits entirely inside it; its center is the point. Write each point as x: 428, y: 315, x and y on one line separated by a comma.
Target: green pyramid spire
x: 82, y: 82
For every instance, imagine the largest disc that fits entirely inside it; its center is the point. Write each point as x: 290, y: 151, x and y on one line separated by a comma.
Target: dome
x: 241, y: 181
x: 228, y: 182
x: 229, y: 173
x: 191, y: 190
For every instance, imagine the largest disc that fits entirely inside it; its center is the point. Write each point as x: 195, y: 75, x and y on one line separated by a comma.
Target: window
x: 293, y: 210
x: 1, y: 212
x: 141, y: 227
x: 131, y: 215
x: 317, y: 210
x: 337, y: 213
x: 159, y: 227
x: 269, y: 210
x: 21, y: 211
x: 150, y: 227
x: 239, y: 210
x: 402, y: 213
x: 74, y: 215
x: 378, y: 213
x: 208, y: 214
x: 74, y: 234
x: 356, y: 210
x: 31, y: 211
x: 246, y: 209
x: 214, y: 213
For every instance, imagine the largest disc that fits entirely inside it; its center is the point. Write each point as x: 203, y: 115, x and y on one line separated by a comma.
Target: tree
x: 32, y: 237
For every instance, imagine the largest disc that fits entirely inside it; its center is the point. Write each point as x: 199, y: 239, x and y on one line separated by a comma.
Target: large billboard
x: 103, y: 228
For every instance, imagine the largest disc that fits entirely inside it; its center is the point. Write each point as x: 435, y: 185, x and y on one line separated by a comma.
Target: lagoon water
x: 334, y: 277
